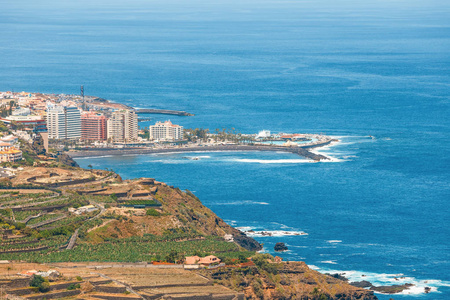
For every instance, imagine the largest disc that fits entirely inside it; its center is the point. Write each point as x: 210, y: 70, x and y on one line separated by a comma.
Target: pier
x: 163, y: 112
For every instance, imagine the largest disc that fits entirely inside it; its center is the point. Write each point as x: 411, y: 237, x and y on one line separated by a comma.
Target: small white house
x: 84, y: 209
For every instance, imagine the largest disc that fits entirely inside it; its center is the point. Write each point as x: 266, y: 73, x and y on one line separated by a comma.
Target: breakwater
x: 163, y: 112
x: 301, y: 151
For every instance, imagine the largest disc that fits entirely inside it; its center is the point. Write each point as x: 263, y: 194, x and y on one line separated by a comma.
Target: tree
x: 172, y: 257
x: 38, y: 145
x: 40, y: 283
x: 152, y: 212
x: 36, y: 280
x: 11, y: 103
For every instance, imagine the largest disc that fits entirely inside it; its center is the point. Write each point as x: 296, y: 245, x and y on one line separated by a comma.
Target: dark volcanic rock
x: 67, y: 160
x: 337, y: 276
x: 246, y: 242
x: 357, y: 295
x: 280, y: 247
x: 361, y: 284
x: 391, y: 289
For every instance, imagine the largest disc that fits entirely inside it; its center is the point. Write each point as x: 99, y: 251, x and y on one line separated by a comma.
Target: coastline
x: 301, y: 151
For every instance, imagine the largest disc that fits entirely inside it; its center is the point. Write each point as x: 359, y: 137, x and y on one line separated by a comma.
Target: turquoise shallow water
x: 345, y: 68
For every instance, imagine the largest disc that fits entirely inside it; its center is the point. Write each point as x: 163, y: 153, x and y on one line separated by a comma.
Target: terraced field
x: 38, y: 226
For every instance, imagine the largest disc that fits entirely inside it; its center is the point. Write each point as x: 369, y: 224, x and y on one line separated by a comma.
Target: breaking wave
x: 383, y: 279
x: 272, y: 161
x: 245, y: 202
x: 269, y: 233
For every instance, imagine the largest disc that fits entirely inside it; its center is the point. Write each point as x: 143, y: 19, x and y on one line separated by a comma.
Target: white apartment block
x: 166, y: 131
x: 122, y: 126
x: 64, y: 122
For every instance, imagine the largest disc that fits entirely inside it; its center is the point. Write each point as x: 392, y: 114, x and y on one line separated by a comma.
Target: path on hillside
x: 74, y: 236
x: 128, y: 287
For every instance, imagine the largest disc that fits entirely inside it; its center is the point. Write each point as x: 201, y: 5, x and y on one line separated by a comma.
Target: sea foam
x: 272, y: 161
x: 271, y: 233
x: 245, y: 202
x: 384, y: 279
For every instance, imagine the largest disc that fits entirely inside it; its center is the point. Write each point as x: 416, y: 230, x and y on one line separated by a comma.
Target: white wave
x: 292, y: 246
x: 245, y: 202
x: 200, y: 151
x: 91, y: 157
x: 273, y: 161
x: 273, y: 233
x: 348, y: 136
x: 167, y: 161
x: 245, y: 228
x: 200, y: 156
x: 282, y: 225
x: 334, y: 241
x: 384, y: 279
x: 332, y: 262
x: 320, y: 151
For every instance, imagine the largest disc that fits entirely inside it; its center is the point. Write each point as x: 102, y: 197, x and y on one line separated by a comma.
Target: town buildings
x: 61, y: 117
x: 8, y: 150
x: 35, y: 123
x: 93, y: 126
x: 166, y: 131
x: 64, y: 122
x: 123, y: 126
x: 21, y: 111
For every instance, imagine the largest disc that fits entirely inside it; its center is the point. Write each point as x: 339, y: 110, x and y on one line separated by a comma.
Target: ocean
x: 350, y: 69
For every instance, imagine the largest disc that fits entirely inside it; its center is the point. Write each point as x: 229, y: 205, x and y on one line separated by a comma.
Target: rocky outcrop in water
x: 280, y: 247
x: 391, y: 289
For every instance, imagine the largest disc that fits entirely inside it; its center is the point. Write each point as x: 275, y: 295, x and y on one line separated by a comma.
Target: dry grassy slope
x: 194, y: 215
x: 179, y: 210
x: 294, y: 280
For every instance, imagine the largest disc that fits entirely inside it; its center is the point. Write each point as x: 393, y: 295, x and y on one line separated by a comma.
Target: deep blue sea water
x: 347, y: 68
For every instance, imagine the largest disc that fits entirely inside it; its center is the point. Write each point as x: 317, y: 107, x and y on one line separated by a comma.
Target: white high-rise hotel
x: 123, y: 126
x: 166, y: 131
x: 64, y: 122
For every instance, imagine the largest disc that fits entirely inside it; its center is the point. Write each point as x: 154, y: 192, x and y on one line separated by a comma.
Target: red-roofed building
x: 205, y: 261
